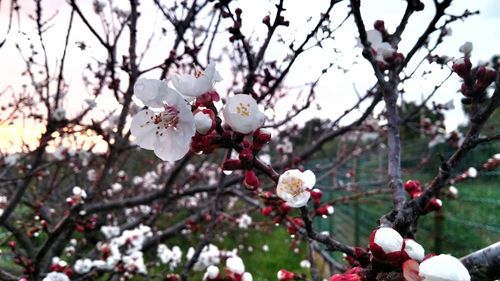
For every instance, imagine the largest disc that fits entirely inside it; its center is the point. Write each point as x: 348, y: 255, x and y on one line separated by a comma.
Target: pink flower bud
x: 325, y: 210
x: 204, y: 121
x: 379, y: 25
x: 267, y: 211
x: 267, y: 20
x: 251, y: 180
x: 246, y: 155
x: 434, y: 205
x: 462, y: 67
x: 285, y: 275
x: 413, y: 250
x: 413, y: 188
x: 485, y: 76
x: 316, y: 195
x: 386, y: 245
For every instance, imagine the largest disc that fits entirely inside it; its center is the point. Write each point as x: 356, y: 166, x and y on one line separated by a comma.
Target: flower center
x: 243, y: 109
x: 293, y: 186
x: 166, y: 119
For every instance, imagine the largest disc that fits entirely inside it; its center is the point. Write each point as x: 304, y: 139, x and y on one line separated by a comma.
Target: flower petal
x: 299, y: 200
x: 309, y: 179
x: 143, y: 129
x: 150, y: 91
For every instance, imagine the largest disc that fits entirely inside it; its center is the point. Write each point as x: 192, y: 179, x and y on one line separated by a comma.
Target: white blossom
x: 235, y: 265
x: 83, y: 266
x: 466, y: 49
x: 294, y: 185
x: 244, y: 221
x: 169, y: 132
x: 134, y: 262
x: 242, y: 114
x: 305, y: 264
x: 110, y: 231
x: 388, y: 239
x: 203, y: 122
x: 56, y: 276
x: 443, y: 268
x: 472, y: 172
x: 414, y: 250
x: 383, y: 50
x: 211, y: 273
x: 247, y: 276
x: 210, y: 255
x: 194, y: 86
x: 152, y: 92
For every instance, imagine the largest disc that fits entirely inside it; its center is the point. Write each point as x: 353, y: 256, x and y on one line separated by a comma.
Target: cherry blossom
x: 242, y: 114
x: 443, y: 268
x: 413, y: 250
x: 294, y: 185
x: 466, y: 49
x: 244, y: 221
x: 386, y: 245
x: 212, y: 273
x: 200, y: 83
x: 383, y: 50
x: 235, y: 264
x: 56, y: 276
x: 152, y: 92
x: 167, y: 133
x: 83, y: 266
x: 204, y: 122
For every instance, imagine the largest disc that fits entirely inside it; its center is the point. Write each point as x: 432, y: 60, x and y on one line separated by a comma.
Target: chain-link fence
x: 464, y: 224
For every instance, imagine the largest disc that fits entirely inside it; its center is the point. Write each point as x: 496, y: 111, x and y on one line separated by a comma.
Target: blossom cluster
x: 183, y: 117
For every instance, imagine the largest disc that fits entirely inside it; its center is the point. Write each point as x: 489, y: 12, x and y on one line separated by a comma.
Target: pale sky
x: 334, y: 93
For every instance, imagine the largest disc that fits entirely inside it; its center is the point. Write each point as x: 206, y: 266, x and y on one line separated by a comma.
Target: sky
x: 335, y: 92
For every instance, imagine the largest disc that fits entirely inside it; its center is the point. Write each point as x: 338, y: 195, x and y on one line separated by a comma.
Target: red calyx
x: 251, y: 180
x: 434, y: 205
x: 316, y: 195
x: 462, y: 69
x: 393, y: 258
x: 246, y: 156
x: 324, y: 210
x: 267, y: 211
x: 380, y: 26
x: 231, y: 165
x: 260, y: 137
x: 413, y: 188
x: 485, y: 76
x: 285, y: 275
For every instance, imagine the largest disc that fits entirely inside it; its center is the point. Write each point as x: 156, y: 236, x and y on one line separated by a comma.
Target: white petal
x: 374, y: 37
x: 212, y: 73
x: 443, y: 268
x: 389, y: 240
x: 150, y: 91
x: 299, y: 200
x: 143, y: 129
x: 203, y: 122
x: 309, y: 179
x: 170, y: 148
